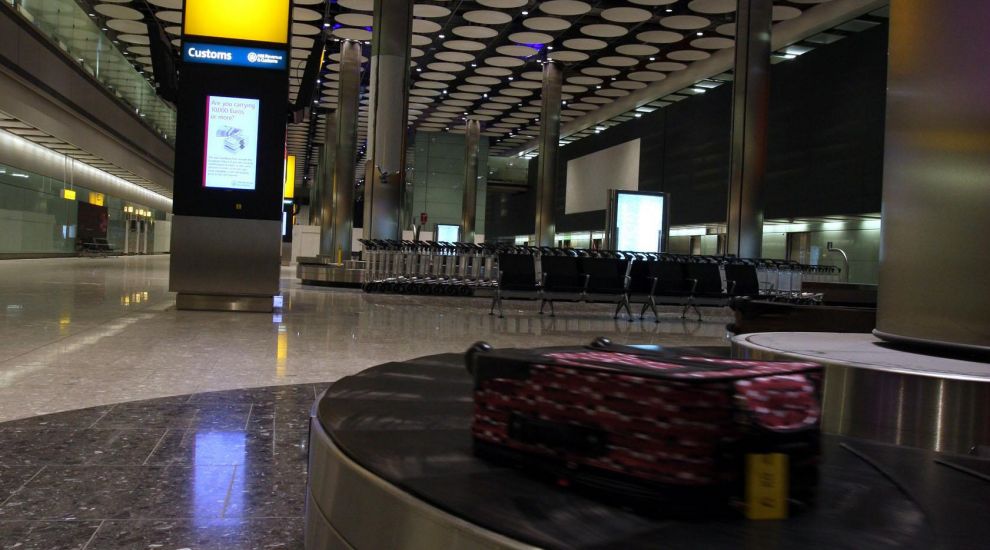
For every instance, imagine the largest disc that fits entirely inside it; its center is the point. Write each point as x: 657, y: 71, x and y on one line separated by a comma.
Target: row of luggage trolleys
x: 428, y: 267
x: 556, y: 274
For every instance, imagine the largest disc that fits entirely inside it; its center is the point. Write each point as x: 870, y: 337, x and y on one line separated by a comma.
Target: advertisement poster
x: 231, y: 158
x: 639, y: 222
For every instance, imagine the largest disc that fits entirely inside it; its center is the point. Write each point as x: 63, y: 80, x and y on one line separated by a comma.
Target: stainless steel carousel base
x: 319, y: 271
x: 349, y: 507
x: 877, y: 392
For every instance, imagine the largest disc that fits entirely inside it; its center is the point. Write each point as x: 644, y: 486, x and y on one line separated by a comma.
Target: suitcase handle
x: 584, y: 440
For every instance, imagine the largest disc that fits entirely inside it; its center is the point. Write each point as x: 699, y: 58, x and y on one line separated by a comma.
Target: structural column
x: 314, y: 191
x: 387, y: 115
x: 469, y: 204
x: 337, y: 219
x: 934, y: 257
x: 546, y: 182
x: 750, y: 112
x: 323, y: 184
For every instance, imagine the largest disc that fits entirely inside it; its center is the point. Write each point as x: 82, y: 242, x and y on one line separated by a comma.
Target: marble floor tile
x: 13, y: 477
x: 31, y: 447
x: 47, y: 535
x: 253, y: 534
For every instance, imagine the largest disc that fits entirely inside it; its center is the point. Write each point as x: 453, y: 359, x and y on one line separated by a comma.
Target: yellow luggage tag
x: 766, y: 486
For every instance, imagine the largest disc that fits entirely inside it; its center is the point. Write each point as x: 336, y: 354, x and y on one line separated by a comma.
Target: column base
x: 212, y: 302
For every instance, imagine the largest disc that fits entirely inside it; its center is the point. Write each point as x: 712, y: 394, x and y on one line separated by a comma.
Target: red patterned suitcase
x: 646, y: 427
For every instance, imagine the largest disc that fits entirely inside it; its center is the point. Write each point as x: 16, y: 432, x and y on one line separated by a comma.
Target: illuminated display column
x: 337, y: 220
x: 936, y: 190
x: 230, y: 147
x: 546, y: 181
x: 469, y: 204
x: 750, y: 116
x: 388, y: 109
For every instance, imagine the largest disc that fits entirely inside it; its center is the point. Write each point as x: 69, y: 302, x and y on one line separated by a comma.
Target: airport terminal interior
x: 430, y: 274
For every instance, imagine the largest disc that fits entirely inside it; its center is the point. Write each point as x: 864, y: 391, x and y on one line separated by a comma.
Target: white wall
x: 590, y: 177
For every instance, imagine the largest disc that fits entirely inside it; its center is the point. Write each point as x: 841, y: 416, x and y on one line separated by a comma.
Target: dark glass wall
x: 825, y: 145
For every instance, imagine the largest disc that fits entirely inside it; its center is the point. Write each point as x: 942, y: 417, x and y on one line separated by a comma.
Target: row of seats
x: 651, y: 282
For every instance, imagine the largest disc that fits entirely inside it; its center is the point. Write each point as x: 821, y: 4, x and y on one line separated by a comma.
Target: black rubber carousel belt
x: 409, y: 423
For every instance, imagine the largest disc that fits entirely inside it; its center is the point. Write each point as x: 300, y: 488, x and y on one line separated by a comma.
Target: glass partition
x: 77, y: 33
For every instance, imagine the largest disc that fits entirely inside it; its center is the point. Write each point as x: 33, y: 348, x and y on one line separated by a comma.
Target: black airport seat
x: 741, y: 280
x: 562, y: 279
x: 516, y: 279
x: 706, y: 286
x: 668, y: 285
x: 96, y: 246
x: 607, y: 279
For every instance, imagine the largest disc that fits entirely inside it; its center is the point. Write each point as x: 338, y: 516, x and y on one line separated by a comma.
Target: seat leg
x: 494, y: 302
x: 625, y: 304
x: 642, y: 312
x: 618, y: 308
x: 552, y: 312
x: 689, y: 305
x: 653, y: 307
x: 543, y: 303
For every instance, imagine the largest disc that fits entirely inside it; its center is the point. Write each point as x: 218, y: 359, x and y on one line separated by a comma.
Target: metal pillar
x: 337, y: 219
x: 936, y: 179
x: 323, y: 185
x: 750, y: 112
x: 546, y: 182
x: 385, y: 174
x: 469, y: 204
x: 314, y: 190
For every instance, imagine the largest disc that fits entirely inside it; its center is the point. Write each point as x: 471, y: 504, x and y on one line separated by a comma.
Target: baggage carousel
x: 391, y: 467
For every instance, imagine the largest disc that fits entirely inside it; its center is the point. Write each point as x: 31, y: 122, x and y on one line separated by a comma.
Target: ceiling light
x: 701, y: 33
x: 441, y: 36
x: 525, y: 12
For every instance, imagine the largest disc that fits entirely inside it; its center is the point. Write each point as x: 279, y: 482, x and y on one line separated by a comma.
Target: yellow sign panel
x: 96, y: 198
x: 255, y: 20
x: 69, y: 194
x: 289, y: 187
x: 766, y: 486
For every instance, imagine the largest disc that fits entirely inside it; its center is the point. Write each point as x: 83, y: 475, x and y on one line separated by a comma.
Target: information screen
x: 639, y: 222
x: 231, y: 157
x: 448, y: 233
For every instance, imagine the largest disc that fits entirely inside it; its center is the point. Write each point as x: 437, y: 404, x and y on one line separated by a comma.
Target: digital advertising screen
x: 639, y: 222
x: 448, y: 233
x: 231, y: 145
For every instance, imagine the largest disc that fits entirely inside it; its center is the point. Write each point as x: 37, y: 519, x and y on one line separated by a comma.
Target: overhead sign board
x: 251, y: 20
x: 233, y: 56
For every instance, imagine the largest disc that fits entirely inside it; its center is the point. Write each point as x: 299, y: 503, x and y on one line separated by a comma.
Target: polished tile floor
x: 86, y: 332
x: 127, y: 424
x: 221, y: 470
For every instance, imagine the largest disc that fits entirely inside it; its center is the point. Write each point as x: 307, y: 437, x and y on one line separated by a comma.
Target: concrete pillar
x: 469, y: 203
x: 546, y: 181
x: 750, y: 115
x: 388, y: 109
x: 337, y: 220
x: 934, y: 258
